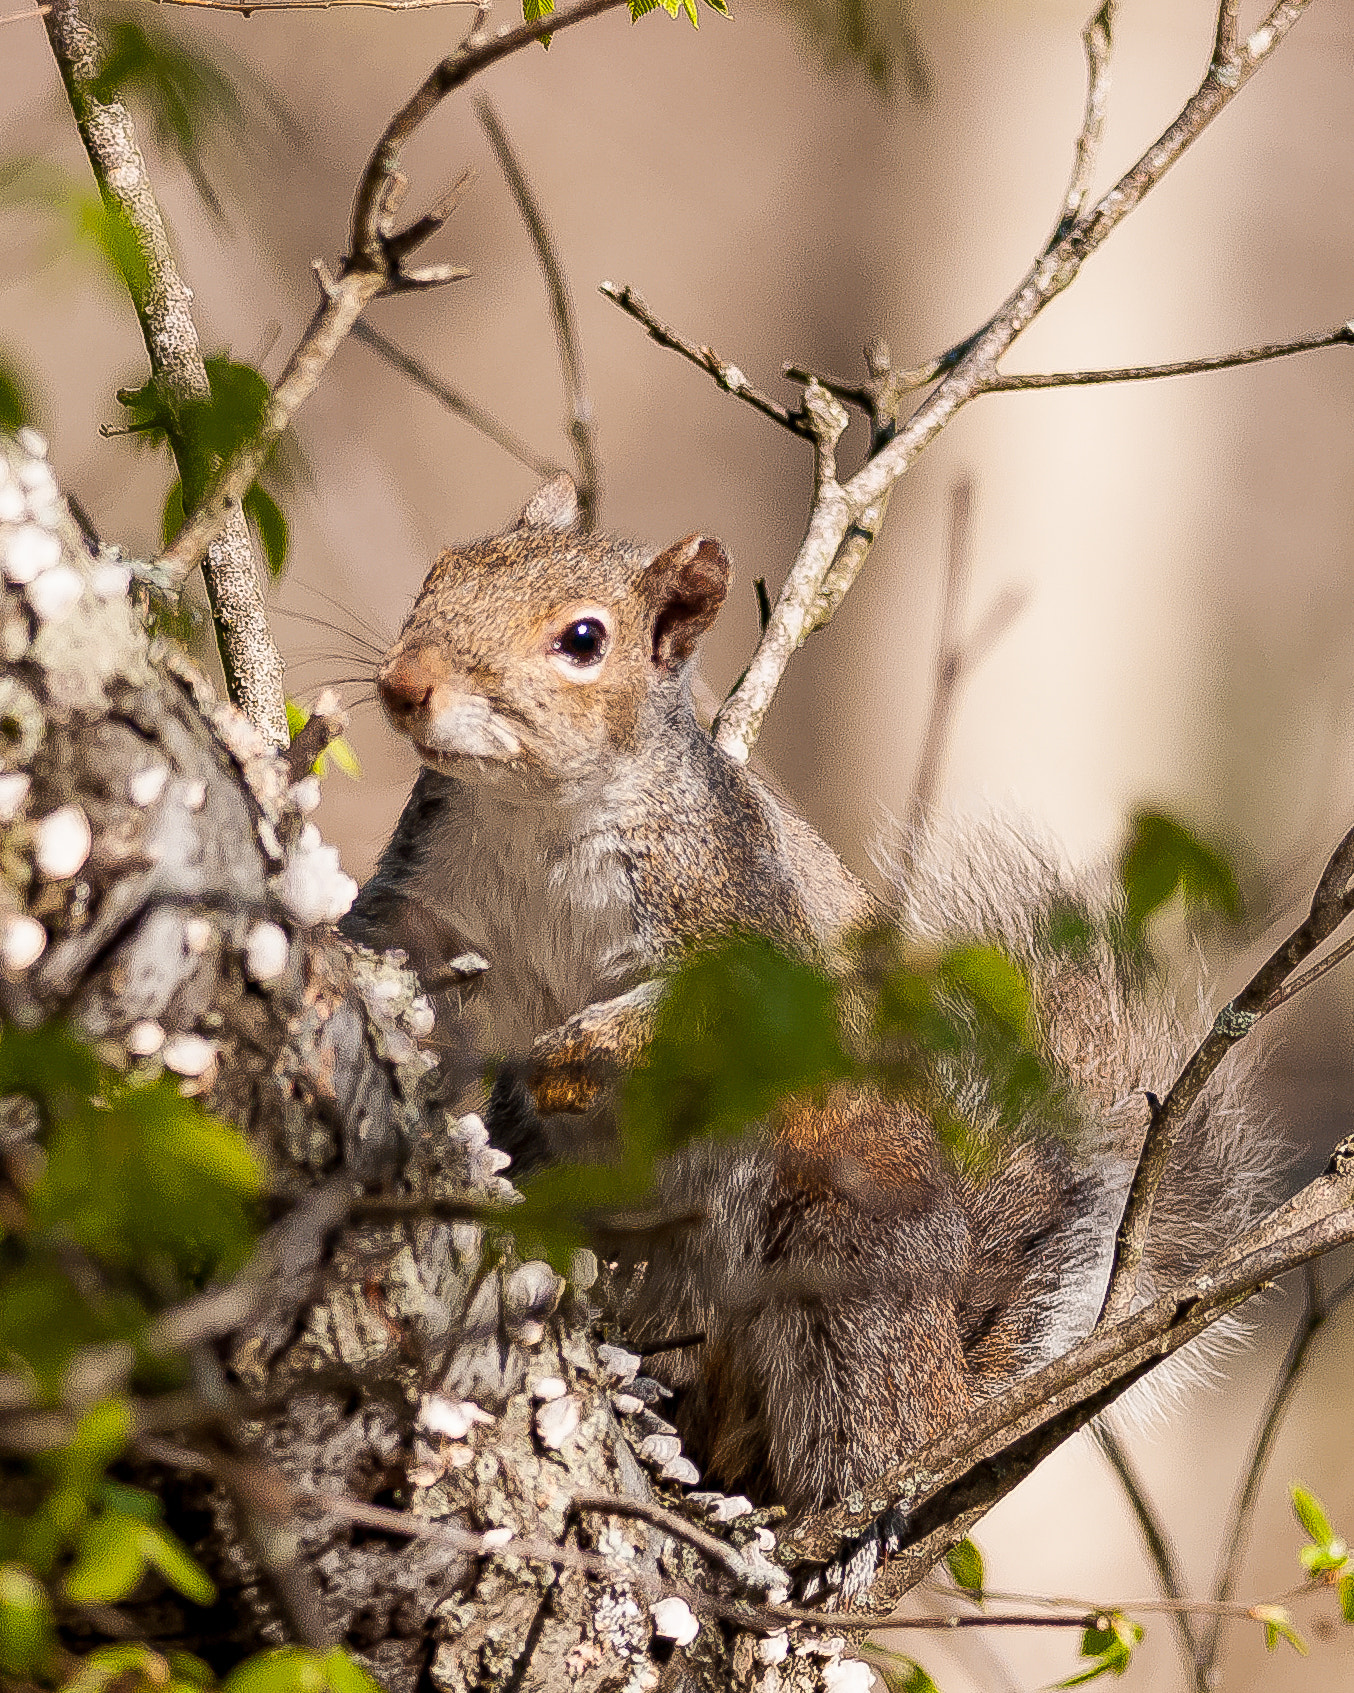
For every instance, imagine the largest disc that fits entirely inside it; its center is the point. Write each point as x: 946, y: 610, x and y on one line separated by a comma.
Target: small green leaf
x: 109, y: 1561
x: 1347, y: 1598
x: 1310, y: 1512
x: 16, y: 399
x: 167, y: 1554
x: 27, y: 1636
x: 294, y: 1669
x: 965, y: 1564
x: 265, y: 514
x: 1109, y: 1646
x: 1278, y: 1626
x: 534, y: 10
x: 1162, y: 858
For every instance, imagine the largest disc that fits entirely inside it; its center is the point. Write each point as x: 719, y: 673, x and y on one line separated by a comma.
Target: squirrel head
x: 539, y: 655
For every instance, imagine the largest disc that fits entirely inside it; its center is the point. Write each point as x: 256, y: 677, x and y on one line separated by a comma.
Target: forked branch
x: 378, y: 262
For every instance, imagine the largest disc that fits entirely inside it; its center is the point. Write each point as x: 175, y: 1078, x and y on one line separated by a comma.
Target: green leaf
x: 185, y: 95
x: 965, y: 1564
x: 109, y: 1561
x: 1347, y: 1598
x: 1278, y: 1626
x: 294, y: 1669
x: 16, y: 398
x: 27, y: 1636
x: 1109, y: 1646
x: 1162, y: 858
x: 1310, y: 1512
x: 265, y: 514
x: 167, y: 1554
x: 533, y: 10
x: 340, y: 751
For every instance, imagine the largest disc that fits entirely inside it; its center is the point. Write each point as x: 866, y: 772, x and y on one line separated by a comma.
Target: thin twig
x: 252, y: 664
x: 326, y: 723
x: 1096, y: 39
x: 453, y: 399
x: 377, y: 263
x: 1224, y: 35
x: 1331, y: 904
x: 1316, y: 1313
x: 1284, y: 994
x: 728, y: 376
x: 949, y: 655
x: 1343, y: 334
x: 1165, y: 1561
x: 582, y: 420
x: 973, y: 371
x: 714, y: 1550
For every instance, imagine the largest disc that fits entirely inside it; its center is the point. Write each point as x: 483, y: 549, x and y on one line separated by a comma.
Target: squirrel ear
x: 554, y: 505
x: 684, y: 588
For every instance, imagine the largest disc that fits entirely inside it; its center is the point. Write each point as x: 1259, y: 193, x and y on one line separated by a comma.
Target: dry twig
x: 378, y: 262
x: 582, y: 420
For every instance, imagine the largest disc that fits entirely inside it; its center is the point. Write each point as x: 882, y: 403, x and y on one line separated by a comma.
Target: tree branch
x: 1343, y: 334
x: 1331, y: 904
x: 728, y: 376
x: 454, y: 400
x: 377, y: 263
x: 973, y: 367
x: 249, y: 656
x: 582, y: 420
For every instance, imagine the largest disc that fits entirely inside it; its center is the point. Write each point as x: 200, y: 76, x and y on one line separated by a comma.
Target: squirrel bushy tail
x: 857, y: 1293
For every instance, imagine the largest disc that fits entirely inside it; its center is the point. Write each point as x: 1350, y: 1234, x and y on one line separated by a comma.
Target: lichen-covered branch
x: 249, y: 656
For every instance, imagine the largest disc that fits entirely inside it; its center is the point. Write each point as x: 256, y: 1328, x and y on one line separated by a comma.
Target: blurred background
x: 1184, y: 547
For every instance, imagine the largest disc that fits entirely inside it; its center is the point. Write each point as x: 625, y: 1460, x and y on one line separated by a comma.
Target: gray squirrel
x: 852, y: 1291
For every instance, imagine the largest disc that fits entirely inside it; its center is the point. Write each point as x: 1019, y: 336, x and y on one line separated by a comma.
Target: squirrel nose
x: 406, y: 682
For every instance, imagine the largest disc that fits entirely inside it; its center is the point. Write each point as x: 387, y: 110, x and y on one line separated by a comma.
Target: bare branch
x: 249, y: 657
x: 253, y: 8
x: 1224, y: 35
x: 1097, y: 39
x: 326, y: 723
x: 1165, y: 1561
x: 1343, y: 334
x: 728, y: 376
x: 971, y: 371
x: 454, y: 400
x: 947, y: 1486
x: 716, y: 1551
x: 376, y: 264
x: 1316, y: 1313
x: 582, y: 421
x: 1330, y: 906
x: 1284, y: 994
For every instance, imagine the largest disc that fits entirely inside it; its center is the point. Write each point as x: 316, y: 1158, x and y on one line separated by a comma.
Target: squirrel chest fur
x: 573, y: 825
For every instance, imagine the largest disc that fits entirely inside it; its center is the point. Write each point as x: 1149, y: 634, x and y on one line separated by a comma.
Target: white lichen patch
x: 145, y: 786
x: 547, y: 1388
x: 673, y: 1619
x: 189, y: 1055
x: 14, y: 788
x: 557, y: 1419
x: 313, y: 887
x: 620, y: 1366
x: 54, y: 593
x: 145, y: 1038
x: 848, y: 1675
x: 266, y: 952
x: 772, y: 1648
x: 23, y: 940
x: 453, y: 1418
x: 28, y: 551
x: 62, y: 842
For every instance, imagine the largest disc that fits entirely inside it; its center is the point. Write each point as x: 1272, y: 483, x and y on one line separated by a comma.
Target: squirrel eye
x: 583, y: 642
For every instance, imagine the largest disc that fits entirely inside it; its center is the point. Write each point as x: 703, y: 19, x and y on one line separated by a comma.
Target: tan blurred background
x: 1188, y: 638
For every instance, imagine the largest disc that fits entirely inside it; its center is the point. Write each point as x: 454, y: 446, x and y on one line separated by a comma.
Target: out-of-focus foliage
x: 16, y: 397
x: 878, y: 37
x: 340, y: 750
x: 205, y: 433
x: 188, y: 98
x: 125, y: 1197
x: 1161, y: 859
